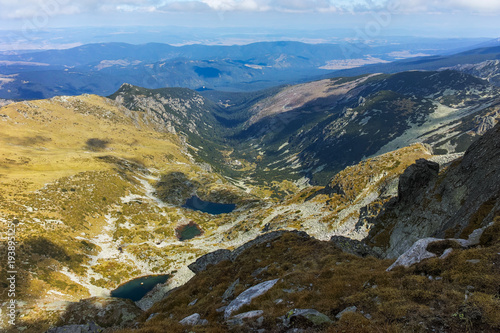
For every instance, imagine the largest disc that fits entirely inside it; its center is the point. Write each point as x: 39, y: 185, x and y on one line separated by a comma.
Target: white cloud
x: 304, y: 5
x: 450, y: 6
x: 252, y: 5
x: 184, y: 6
x: 28, y: 9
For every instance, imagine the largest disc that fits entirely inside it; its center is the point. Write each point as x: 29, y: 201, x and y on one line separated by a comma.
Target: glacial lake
x: 188, y: 231
x: 213, y: 208
x: 137, y: 288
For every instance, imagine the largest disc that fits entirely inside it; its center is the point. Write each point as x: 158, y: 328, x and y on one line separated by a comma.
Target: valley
x: 222, y: 191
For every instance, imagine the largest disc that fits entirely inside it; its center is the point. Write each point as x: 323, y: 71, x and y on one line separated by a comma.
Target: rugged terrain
x: 289, y: 281
x: 313, y: 130
x: 96, y: 186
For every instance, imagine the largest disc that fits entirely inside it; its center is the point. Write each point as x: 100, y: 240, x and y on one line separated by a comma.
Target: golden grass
x: 48, y: 139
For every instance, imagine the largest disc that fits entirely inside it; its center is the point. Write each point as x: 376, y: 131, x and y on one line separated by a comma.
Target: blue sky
x: 444, y: 18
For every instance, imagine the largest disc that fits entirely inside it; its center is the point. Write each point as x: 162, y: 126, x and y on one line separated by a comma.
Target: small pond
x: 137, y: 288
x: 213, y: 208
x: 188, y: 231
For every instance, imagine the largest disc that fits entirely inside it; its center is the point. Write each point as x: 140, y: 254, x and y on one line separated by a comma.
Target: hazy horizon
x: 33, y: 23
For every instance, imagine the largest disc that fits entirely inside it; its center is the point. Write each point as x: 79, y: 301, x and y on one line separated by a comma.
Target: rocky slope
x: 4, y: 102
x: 295, y: 283
x: 461, y: 198
x: 289, y: 281
x: 84, y: 176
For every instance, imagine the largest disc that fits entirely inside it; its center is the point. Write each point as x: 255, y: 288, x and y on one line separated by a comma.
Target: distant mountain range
x: 102, y: 68
x: 483, y: 52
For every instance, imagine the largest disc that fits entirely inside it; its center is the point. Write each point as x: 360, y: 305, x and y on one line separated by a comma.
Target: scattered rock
x: 474, y: 261
x: 193, y: 302
x: 230, y: 290
x: 245, y: 317
x: 306, y: 318
x: 193, y: 320
x: 87, y: 328
x: 247, y: 296
x: 346, y: 310
x: 151, y: 316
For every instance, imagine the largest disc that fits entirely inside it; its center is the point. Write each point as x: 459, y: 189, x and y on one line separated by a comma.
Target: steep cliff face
x: 463, y: 197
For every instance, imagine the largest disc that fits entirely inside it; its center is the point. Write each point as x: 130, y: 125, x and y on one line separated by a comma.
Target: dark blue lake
x: 137, y: 288
x: 213, y: 208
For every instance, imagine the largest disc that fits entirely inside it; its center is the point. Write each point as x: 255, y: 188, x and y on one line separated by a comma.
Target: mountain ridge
x: 101, y: 68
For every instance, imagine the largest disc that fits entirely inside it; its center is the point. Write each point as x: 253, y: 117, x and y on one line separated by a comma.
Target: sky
x: 443, y: 18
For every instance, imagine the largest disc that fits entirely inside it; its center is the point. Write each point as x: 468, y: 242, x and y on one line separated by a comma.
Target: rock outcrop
x: 415, y: 178
x: 306, y: 318
x: 251, y: 317
x: 247, y: 296
x: 193, y: 320
x: 213, y: 258
x: 463, y: 197
x: 420, y: 250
